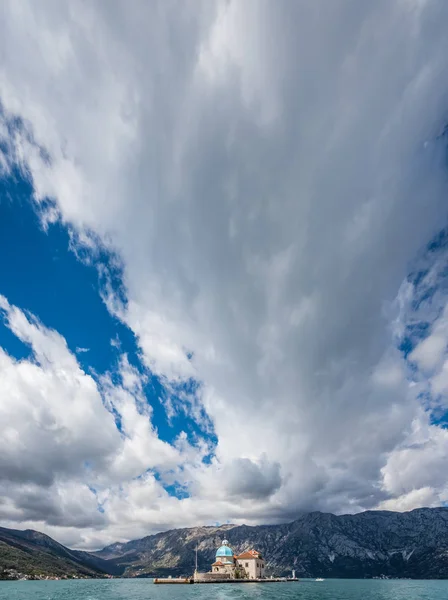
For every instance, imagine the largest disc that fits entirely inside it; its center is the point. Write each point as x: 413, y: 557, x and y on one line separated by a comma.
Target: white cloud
x: 430, y: 352
x: 430, y: 355
x: 80, y: 350
x: 52, y: 415
x: 61, y: 454
x: 263, y: 171
x: 414, y: 473
x: 65, y: 465
x: 411, y: 500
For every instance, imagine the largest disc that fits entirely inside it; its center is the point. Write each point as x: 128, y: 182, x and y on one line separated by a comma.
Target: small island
x: 248, y: 567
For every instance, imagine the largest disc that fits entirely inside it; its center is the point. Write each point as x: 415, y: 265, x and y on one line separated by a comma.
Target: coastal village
x: 15, y: 575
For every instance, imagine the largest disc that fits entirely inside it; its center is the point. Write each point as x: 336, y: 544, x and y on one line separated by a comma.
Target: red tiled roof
x: 218, y: 563
x: 249, y: 554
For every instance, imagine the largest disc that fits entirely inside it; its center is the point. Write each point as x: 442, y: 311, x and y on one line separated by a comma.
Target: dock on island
x: 191, y: 580
x: 264, y: 580
x: 174, y: 580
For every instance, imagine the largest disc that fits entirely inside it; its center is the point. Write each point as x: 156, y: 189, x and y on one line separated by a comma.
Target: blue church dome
x: 224, y: 550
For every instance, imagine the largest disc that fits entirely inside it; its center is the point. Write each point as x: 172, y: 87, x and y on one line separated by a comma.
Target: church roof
x: 249, y: 554
x: 224, y: 550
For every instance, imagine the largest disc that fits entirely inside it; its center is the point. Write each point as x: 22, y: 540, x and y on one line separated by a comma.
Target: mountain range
x: 369, y: 544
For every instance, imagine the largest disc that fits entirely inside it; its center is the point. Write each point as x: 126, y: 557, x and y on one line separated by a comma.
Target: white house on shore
x: 248, y: 565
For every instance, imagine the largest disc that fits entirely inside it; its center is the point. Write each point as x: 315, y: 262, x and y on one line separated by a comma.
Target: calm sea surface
x: 144, y: 589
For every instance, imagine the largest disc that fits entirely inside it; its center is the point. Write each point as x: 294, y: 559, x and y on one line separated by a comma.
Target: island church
x: 248, y: 565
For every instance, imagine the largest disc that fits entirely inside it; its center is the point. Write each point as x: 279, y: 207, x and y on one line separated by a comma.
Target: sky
x: 224, y: 261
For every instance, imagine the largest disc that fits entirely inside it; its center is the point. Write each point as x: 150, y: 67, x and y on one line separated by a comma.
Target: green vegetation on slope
x: 27, y: 553
x: 37, y: 564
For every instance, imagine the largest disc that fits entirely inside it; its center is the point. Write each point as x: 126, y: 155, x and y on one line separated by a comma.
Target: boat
x: 319, y: 579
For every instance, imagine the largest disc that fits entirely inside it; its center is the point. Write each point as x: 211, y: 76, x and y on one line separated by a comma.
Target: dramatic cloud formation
x: 266, y: 174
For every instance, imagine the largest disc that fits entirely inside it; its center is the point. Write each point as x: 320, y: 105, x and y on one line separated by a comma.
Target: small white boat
x: 320, y: 579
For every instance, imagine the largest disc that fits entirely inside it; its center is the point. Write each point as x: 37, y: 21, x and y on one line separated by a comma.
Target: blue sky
x: 43, y: 276
x: 223, y: 282
x: 40, y: 261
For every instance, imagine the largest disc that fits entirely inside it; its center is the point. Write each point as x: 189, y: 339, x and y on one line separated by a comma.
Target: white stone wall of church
x: 255, y: 568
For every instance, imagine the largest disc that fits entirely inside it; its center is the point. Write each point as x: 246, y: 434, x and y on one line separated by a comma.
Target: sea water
x: 144, y: 589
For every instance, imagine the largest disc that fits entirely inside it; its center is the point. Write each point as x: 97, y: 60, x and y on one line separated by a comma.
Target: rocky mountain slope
x: 33, y: 554
x: 369, y: 544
